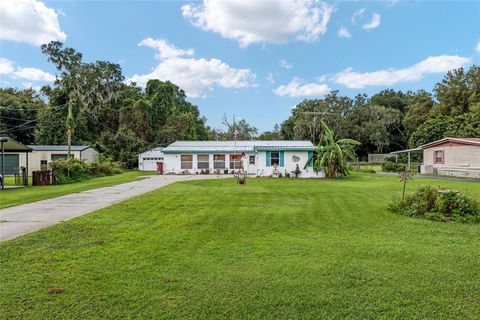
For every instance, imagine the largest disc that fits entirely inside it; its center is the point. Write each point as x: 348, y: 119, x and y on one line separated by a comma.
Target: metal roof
x: 10, y: 145
x: 414, y: 150
x: 151, y: 150
x: 40, y: 147
x: 238, y: 146
x: 466, y: 141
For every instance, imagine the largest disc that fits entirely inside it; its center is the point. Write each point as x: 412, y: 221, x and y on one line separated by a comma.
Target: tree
x: 332, y: 154
x: 275, y: 134
x: 86, y: 85
x: 19, y: 113
x: 240, y: 130
x: 419, y: 110
x: 458, y: 91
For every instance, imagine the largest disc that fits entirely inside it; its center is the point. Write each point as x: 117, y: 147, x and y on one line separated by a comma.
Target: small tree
x: 405, y: 177
x: 332, y: 154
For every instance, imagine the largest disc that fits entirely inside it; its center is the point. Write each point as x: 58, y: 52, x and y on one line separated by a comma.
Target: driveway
x: 26, y: 218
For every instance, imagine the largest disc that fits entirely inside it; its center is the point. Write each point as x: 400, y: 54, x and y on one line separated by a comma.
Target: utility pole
x: 315, y: 113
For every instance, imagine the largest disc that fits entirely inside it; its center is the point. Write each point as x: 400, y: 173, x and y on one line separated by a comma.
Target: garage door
x: 11, y: 162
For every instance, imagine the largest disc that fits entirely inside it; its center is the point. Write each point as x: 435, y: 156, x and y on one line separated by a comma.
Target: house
x: 147, y: 161
x: 255, y: 157
x: 41, y: 155
x: 453, y: 157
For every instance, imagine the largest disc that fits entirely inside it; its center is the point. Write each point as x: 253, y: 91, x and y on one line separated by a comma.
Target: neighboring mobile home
x: 42, y: 155
x: 453, y: 157
x: 255, y: 157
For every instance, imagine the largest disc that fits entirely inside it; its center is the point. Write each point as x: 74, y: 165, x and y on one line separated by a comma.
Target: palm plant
x: 332, y: 154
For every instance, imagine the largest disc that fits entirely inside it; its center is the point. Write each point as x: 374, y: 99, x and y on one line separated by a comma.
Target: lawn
x: 272, y: 249
x: 13, y: 197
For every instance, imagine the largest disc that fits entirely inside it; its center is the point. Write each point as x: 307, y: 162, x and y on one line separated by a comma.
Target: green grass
x: 272, y: 249
x: 13, y: 197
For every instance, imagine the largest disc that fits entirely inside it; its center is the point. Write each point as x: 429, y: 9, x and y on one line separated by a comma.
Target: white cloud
x: 195, y: 76
x: 285, y: 64
x: 270, y: 78
x: 358, y: 14
x: 8, y: 68
x: 477, y: 48
x: 297, y: 88
x: 374, y: 23
x: 164, y: 49
x: 251, y: 22
x: 29, y: 21
x: 343, y: 32
x: 438, y: 64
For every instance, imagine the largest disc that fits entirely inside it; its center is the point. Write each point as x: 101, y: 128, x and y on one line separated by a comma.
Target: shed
x: 10, y: 157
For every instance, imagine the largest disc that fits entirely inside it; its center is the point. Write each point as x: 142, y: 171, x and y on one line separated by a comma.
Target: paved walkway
x: 26, y: 218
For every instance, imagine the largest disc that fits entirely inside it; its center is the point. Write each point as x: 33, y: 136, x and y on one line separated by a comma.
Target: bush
x: 72, y: 170
x: 435, y: 204
x: 393, y: 167
x: 69, y: 170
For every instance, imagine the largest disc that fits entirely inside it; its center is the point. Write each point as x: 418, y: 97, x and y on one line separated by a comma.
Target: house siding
x: 458, y: 160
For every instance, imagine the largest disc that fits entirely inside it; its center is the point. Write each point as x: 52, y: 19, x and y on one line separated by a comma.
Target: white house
x: 255, y: 157
x: 149, y: 160
x: 452, y: 156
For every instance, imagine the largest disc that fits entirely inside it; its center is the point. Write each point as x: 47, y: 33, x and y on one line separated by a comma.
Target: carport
x: 408, y: 152
x: 11, y: 148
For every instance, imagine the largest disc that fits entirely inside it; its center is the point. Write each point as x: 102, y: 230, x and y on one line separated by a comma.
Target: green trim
x: 282, y: 158
x: 286, y: 149
x: 310, y: 159
x: 267, y: 159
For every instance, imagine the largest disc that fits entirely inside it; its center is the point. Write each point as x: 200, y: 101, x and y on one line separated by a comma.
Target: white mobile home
x: 255, y: 157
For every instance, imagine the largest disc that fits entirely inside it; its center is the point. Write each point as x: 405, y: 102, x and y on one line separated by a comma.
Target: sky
x: 254, y: 59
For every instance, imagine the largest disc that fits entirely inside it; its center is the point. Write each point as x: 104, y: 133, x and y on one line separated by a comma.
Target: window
x: 186, y: 161
x: 438, y: 156
x: 251, y: 160
x: 202, y: 161
x: 59, y: 156
x: 275, y: 158
x: 219, y: 161
x: 235, y: 161
x: 43, y: 164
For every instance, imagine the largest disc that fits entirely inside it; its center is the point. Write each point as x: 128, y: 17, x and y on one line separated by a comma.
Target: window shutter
x: 267, y: 156
x: 310, y: 159
x: 282, y: 159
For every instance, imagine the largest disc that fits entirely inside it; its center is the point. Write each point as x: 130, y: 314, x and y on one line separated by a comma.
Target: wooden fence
x: 44, y: 177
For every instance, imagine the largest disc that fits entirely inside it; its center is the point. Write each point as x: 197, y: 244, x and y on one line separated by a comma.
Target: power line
x: 29, y: 109
x: 28, y: 122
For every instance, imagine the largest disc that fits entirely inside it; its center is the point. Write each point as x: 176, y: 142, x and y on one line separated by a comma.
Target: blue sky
x: 252, y: 59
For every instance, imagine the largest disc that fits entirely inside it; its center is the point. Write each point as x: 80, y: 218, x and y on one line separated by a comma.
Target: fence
x: 44, y: 177
x: 20, y: 176
x: 377, y: 158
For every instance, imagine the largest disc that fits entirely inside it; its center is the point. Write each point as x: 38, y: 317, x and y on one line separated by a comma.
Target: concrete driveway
x: 26, y: 218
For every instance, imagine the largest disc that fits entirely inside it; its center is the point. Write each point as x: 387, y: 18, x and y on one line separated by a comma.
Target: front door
x: 252, y: 167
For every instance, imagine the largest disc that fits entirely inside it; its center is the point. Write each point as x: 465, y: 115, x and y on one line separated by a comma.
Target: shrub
x: 69, y: 170
x: 72, y: 170
x: 393, y: 166
x: 435, y: 204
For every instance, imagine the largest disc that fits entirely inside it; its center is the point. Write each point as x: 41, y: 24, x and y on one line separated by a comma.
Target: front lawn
x: 13, y: 197
x: 272, y: 249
